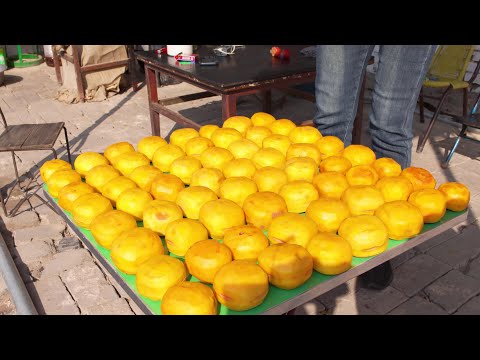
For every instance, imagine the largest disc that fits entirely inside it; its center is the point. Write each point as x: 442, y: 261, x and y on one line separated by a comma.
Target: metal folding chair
x: 446, y: 71
x: 472, y: 120
x: 28, y: 137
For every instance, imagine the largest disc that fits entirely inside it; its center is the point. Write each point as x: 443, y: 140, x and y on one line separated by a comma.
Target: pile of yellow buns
x: 211, y: 196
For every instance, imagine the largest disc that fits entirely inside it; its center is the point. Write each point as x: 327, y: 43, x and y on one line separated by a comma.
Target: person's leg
x: 400, y: 74
x: 337, y: 87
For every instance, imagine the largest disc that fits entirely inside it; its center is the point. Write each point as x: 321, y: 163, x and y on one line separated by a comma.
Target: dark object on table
x: 208, y: 61
x: 277, y: 52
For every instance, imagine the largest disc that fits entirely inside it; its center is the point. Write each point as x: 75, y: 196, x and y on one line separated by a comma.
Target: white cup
x: 173, y: 50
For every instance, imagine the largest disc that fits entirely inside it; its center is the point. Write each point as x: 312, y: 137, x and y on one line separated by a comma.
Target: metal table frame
x: 295, y: 301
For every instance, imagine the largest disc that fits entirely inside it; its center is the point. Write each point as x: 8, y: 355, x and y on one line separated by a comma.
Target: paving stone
x: 472, y: 307
x: 417, y: 305
x: 89, y: 296
x: 89, y: 272
x: 115, y: 307
x: 34, y: 251
x: 349, y: 307
x: 50, y: 296
x: 68, y: 243
x: 413, y: 275
x: 400, y: 259
x: 459, y: 250
x: 88, y: 286
x: 473, y: 269
x: 22, y: 220
x: 474, y: 209
x: 313, y: 307
x: 66, y: 260
x: 48, y: 216
x: 437, y: 240
x: 343, y: 291
x: 380, y: 301
x: 134, y: 307
x: 41, y: 232
x: 7, y: 307
x: 3, y: 285
x: 453, y: 290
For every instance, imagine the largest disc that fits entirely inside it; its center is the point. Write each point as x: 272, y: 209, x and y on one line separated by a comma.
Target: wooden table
x: 250, y: 70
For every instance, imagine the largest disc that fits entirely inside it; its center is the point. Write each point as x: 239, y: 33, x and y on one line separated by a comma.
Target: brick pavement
x: 64, y: 278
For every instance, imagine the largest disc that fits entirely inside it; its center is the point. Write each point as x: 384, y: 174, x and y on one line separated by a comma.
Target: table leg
x: 56, y: 64
x: 229, y: 106
x: 151, y: 82
x: 267, y: 101
x: 357, y: 123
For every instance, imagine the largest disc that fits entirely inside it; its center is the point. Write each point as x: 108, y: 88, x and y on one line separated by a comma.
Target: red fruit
x: 275, y: 51
x: 285, y: 54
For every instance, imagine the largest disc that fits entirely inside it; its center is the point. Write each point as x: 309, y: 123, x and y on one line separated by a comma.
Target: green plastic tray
x: 275, y: 295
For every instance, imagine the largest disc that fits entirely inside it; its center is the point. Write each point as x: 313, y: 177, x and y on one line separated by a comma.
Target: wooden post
x: 151, y: 81
x: 78, y: 73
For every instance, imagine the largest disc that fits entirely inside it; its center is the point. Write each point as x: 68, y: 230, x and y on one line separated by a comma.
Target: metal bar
x: 68, y: 145
x: 475, y: 74
x: 173, y: 115
x: 16, y: 287
x: 185, y: 98
x: 113, y: 272
x: 423, y: 140
x: 362, y: 268
x: 103, y: 66
x: 454, y: 147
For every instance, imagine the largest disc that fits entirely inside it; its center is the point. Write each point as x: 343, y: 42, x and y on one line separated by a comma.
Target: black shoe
x: 378, y: 278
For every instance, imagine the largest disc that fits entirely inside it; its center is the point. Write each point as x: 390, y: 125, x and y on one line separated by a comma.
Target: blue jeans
x: 398, y: 80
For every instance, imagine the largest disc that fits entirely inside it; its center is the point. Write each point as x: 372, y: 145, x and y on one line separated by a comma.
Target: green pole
x: 20, y: 55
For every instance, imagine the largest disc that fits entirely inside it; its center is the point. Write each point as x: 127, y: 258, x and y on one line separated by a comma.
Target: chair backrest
x: 451, y: 61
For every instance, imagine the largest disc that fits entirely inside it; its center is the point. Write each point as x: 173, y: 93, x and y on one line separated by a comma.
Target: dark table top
x: 247, y: 66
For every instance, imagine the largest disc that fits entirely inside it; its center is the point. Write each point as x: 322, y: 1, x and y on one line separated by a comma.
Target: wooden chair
x: 447, y: 70
x: 79, y: 69
x: 28, y: 137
